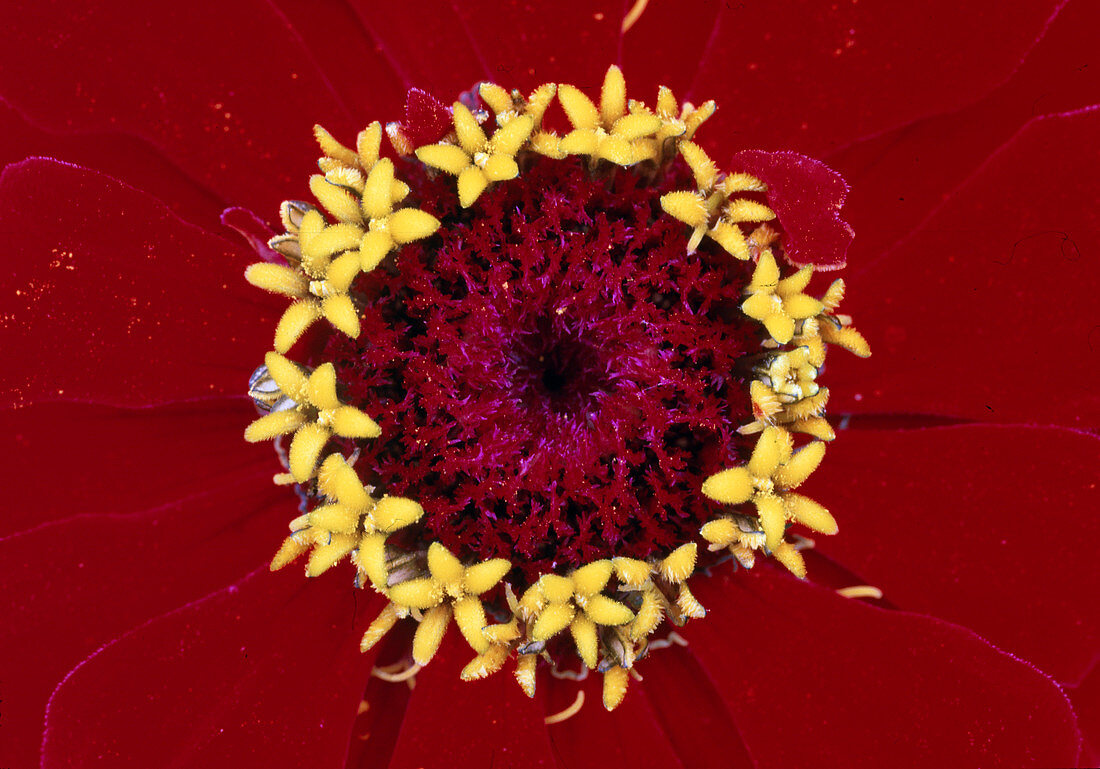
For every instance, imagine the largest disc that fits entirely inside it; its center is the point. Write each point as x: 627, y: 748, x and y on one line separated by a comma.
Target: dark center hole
x: 554, y: 379
x: 559, y: 368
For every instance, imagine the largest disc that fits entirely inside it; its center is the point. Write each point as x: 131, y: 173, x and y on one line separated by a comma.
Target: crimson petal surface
x: 233, y: 110
x: 266, y: 672
x: 988, y: 311
x: 959, y: 522
x: 812, y: 77
x: 77, y: 584
x: 476, y: 724
x: 116, y: 300
x: 814, y: 679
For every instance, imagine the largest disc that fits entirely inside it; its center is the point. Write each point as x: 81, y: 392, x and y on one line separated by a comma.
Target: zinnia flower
x: 948, y: 622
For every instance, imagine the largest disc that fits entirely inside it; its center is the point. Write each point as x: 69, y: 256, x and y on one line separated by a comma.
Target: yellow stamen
x: 396, y: 678
x: 634, y: 14
x: 569, y: 712
x: 860, y: 591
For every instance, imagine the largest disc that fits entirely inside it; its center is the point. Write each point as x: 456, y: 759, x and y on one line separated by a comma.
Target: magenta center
x: 554, y: 375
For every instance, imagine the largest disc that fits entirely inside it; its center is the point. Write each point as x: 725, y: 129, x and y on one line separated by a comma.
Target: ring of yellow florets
x: 610, y: 607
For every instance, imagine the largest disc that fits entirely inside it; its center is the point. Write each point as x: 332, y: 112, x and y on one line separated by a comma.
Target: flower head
x: 130, y: 582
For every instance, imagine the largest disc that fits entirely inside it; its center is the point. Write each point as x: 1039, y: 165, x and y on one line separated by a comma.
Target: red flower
x: 142, y: 626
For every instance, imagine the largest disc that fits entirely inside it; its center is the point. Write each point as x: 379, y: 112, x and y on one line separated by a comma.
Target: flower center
x: 566, y: 375
x: 573, y: 390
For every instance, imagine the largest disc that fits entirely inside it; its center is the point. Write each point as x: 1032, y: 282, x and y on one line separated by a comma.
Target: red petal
x: 264, y: 673
x: 806, y: 196
x: 123, y: 157
x: 115, y: 300
x: 898, y: 178
x: 72, y: 586
x: 357, y: 72
x: 689, y: 706
x: 629, y: 736
x: 814, y: 679
x: 988, y: 311
x: 679, y: 32
x: 1086, y: 702
x: 460, y: 724
x: 426, y: 43
x: 75, y: 458
x: 810, y: 78
x: 526, y: 45
x: 233, y: 110
x: 989, y: 527
x: 427, y: 119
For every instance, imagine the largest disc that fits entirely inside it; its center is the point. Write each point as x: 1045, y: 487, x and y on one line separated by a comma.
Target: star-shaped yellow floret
x: 836, y: 329
x: 678, y: 123
x: 316, y: 416
x: 329, y: 263
x: 738, y: 533
x: 387, y: 226
x: 329, y: 257
x: 790, y: 378
x: 681, y: 121
x: 368, y: 146
x: 557, y: 602
x: 609, y: 132
x: 351, y: 510
x: 779, y: 303
x: 455, y: 586
x: 790, y: 375
x: 347, y: 168
x: 766, y: 481
x: 713, y: 210
x: 507, y: 105
x: 478, y: 160
x: 768, y: 409
x: 349, y: 521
